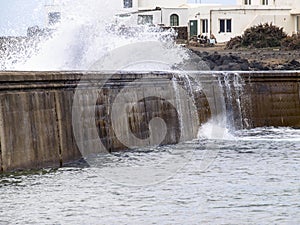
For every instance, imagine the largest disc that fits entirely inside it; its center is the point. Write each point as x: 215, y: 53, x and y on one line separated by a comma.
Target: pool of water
x: 253, y: 177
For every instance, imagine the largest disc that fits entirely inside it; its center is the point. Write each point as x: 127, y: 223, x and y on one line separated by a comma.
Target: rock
x: 260, y: 60
x: 294, y: 63
x: 234, y: 66
x: 215, y: 57
x: 227, y: 61
x: 212, y: 65
x: 245, y: 66
x: 256, y: 65
x: 279, y: 67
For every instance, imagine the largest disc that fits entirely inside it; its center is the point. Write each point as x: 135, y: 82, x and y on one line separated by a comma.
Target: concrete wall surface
x: 51, y: 118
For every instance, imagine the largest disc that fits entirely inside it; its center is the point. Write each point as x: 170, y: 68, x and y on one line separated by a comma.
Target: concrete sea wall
x: 38, y: 128
x: 269, y: 99
x: 263, y: 99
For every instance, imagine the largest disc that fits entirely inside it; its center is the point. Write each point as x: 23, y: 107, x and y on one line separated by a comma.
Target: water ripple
x: 253, y: 180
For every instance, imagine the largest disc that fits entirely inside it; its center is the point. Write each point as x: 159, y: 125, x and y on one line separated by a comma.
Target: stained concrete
x: 37, y: 126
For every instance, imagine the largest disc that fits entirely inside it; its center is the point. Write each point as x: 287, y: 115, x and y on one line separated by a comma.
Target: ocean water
x: 252, y: 179
x: 245, y: 177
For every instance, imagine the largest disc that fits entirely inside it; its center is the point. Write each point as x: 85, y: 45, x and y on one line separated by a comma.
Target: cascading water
x: 255, y: 177
x: 232, y: 83
x: 89, y: 31
x: 178, y: 102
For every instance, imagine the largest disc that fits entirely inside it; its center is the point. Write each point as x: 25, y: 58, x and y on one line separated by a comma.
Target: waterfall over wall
x: 46, y: 117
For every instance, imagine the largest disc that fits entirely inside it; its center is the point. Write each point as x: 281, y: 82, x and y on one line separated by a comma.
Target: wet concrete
x: 38, y: 129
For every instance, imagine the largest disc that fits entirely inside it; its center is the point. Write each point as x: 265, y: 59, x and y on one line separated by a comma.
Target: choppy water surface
x: 253, y: 180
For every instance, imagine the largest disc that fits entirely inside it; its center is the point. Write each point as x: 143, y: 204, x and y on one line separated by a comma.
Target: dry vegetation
x: 265, y: 36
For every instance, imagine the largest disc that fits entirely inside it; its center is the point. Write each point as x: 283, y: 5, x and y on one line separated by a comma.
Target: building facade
x: 223, y: 22
x: 230, y: 21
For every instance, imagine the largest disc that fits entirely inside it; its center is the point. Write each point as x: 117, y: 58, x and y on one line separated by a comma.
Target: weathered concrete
x: 36, y: 127
x: 33, y: 119
x: 270, y: 99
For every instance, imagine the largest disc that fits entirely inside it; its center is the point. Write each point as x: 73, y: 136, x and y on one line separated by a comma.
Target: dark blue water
x: 254, y: 178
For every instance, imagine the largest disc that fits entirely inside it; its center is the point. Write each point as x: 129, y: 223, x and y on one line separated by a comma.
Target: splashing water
x: 88, y: 30
x: 215, y: 130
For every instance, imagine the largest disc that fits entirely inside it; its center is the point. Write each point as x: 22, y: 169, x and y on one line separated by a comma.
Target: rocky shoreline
x: 220, y: 59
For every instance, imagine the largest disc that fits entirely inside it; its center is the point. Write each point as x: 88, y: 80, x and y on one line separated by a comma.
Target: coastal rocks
x: 292, y: 65
x: 288, y: 65
x: 218, y: 62
x: 235, y: 62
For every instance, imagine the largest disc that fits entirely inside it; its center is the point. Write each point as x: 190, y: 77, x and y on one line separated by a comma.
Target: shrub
x: 234, y: 43
x: 291, y: 42
x: 259, y: 36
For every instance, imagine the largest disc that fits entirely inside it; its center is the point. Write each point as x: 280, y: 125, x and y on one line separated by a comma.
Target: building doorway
x: 193, y: 28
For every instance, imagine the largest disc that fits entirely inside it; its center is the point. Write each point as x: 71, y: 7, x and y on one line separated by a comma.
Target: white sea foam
x: 88, y: 30
x: 214, y: 129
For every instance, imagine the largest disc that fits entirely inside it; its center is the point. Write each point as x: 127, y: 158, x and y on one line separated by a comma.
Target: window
x: 222, y: 26
x: 247, y: 2
x: 298, y: 24
x: 174, y: 20
x: 204, y: 26
x: 265, y: 2
x: 225, y: 26
x: 54, y: 17
x: 228, y: 26
x: 127, y: 3
x: 145, y: 19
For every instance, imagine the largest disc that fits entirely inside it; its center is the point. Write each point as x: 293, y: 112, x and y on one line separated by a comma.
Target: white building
x: 230, y: 21
x: 222, y: 21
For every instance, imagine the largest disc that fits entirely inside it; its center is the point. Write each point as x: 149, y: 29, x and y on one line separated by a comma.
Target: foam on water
x: 274, y: 134
x: 248, y: 183
x: 216, y: 130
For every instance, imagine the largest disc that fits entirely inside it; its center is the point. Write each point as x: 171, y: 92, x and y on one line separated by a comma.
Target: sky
x: 17, y: 15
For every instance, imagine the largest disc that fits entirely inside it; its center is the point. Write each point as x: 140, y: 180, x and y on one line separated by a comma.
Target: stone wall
x: 272, y: 99
x: 38, y: 128
x: 47, y: 117
x: 34, y: 119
